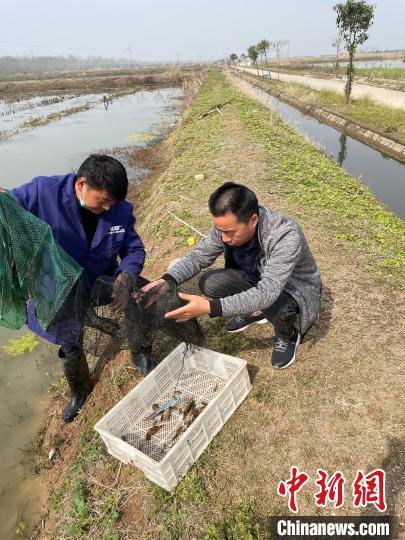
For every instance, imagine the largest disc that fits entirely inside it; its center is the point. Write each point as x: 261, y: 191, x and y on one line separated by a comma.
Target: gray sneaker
x: 241, y: 322
x: 285, y: 350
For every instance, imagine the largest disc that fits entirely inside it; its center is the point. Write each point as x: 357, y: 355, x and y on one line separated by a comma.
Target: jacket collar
x: 262, y: 218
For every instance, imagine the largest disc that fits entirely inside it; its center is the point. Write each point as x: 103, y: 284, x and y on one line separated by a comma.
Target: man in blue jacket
x: 94, y: 224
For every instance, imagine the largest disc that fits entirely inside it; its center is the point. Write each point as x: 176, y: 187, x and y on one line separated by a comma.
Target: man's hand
x: 152, y: 284
x: 120, y: 295
x: 197, y: 305
x: 150, y: 293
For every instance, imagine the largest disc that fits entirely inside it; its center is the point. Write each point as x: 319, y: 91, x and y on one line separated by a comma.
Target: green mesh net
x: 32, y: 266
x: 72, y: 311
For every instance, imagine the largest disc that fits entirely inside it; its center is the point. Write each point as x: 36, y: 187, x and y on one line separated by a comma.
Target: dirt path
x: 391, y: 98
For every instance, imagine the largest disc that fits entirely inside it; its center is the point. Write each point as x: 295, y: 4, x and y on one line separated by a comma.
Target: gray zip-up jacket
x: 284, y: 260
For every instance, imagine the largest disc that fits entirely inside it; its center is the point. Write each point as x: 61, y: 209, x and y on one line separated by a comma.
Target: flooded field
x: 23, y: 114
x: 61, y: 146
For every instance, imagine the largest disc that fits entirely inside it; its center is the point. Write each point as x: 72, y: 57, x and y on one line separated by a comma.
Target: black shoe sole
x: 294, y: 356
x: 262, y: 321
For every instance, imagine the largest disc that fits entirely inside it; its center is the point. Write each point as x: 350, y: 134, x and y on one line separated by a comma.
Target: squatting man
x: 270, y: 274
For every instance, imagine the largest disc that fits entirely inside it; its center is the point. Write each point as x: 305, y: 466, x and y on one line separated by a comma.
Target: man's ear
x: 81, y: 181
x: 254, y: 219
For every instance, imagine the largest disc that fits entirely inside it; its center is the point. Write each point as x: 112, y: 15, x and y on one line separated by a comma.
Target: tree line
x: 353, y: 20
x: 40, y: 64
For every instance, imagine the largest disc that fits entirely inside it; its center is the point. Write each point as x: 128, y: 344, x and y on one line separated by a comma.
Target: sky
x: 178, y: 30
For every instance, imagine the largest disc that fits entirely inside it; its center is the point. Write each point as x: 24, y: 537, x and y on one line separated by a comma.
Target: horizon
x: 207, y: 31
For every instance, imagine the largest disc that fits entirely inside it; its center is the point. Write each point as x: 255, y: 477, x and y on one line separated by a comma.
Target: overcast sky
x: 181, y: 29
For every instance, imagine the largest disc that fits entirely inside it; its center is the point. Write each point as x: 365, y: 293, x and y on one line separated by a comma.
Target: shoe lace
x: 280, y: 344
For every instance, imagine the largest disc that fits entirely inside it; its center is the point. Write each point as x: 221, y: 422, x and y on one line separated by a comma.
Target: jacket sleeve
x: 277, y: 270
x: 203, y: 255
x: 132, y: 252
x: 26, y: 196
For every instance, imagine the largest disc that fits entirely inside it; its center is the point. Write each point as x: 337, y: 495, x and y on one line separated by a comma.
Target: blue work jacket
x: 53, y: 200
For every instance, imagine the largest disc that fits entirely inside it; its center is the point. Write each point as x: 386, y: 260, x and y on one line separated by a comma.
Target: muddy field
x: 94, y: 81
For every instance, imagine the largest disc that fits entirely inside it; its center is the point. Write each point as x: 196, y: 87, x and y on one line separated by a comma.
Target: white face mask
x: 81, y: 200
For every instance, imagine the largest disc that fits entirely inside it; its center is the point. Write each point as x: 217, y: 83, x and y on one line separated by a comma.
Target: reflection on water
x: 343, y: 148
x: 384, y: 176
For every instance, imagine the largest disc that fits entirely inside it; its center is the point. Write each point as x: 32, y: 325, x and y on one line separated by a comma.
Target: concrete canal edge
x: 356, y: 130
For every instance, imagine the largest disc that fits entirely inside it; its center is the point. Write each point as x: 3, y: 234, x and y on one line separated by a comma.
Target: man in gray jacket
x: 269, y: 275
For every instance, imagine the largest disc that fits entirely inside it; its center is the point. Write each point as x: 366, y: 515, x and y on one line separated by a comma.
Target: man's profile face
x: 95, y: 200
x: 234, y: 232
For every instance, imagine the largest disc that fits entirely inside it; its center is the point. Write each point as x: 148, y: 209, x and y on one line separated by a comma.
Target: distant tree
x: 354, y: 18
x: 263, y: 47
x: 337, y: 43
x: 277, y: 46
x: 233, y: 57
x: 41, y: 64
x: 259, y: 51
x: 253, y: 55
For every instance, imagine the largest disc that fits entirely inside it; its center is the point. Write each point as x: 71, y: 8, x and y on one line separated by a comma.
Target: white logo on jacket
x: 116, y: 229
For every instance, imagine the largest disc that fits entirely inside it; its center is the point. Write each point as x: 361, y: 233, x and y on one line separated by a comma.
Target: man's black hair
x: 235, y: 198
x: 105, y: 172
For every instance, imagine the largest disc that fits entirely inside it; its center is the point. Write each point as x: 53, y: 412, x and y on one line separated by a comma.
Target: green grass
x: 396, y: 73
x: 80, y: 505
x: 21, y: 345
x: 239, y: 524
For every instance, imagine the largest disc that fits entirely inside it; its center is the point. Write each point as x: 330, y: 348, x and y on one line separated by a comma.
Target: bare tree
x: 277, y: 46
x: 337, y: 43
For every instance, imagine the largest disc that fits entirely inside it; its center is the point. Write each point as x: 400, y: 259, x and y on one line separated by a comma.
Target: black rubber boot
x: 143, y: 360
x: 76, y: 371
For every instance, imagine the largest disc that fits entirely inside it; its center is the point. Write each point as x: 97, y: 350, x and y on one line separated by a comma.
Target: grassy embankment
x: 396, y: 73
x: 97, y: 72
x: 388, y: 121
x: 336, y: 408
x: 386, y: 77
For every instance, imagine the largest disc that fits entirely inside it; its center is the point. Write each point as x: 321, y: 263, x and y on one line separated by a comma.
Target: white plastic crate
x: 217, y: 379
